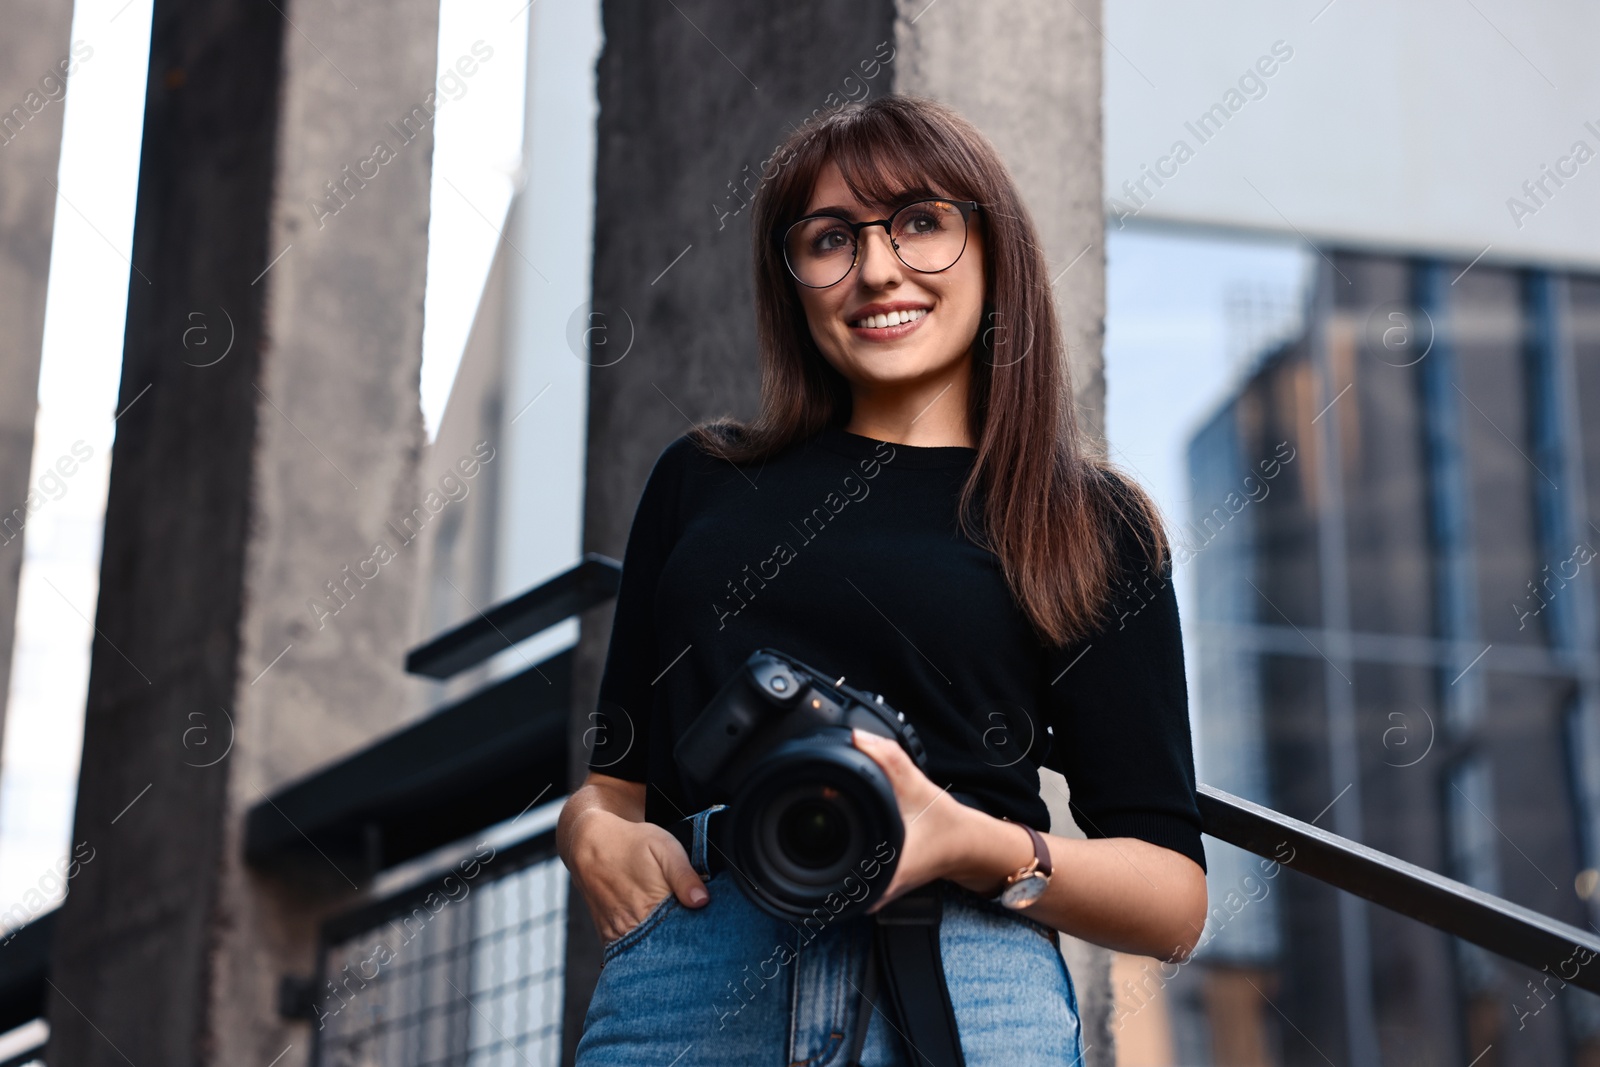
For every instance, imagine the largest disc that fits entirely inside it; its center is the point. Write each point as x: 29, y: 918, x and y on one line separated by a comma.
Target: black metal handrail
x: 591, y: 582
x: 337, y: 803
x: 1504, y: 928
x: 1507, y: 929
x: 473, y: 763
x: 24, y: 963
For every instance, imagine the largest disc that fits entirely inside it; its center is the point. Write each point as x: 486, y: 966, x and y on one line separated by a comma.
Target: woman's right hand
x: 624, y: 869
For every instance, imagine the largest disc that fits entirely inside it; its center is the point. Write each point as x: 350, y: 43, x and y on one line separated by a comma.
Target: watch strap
x: 1041, y: 861
x: 1041, y: 851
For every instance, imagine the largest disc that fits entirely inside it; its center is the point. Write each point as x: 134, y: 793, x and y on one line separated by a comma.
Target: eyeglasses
x: 928, y: 236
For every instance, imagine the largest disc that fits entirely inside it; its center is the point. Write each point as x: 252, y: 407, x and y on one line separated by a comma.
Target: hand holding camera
x: 812, y: 821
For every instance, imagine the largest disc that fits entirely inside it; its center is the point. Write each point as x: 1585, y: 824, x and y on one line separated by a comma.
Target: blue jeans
x: 728, y: 984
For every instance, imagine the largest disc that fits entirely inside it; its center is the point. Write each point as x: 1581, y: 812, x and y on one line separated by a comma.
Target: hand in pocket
x: 625, y: 870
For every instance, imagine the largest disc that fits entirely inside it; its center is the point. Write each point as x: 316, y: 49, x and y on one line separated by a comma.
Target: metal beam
x: 594, y: 581
x: 24, y: 963
x: 469, y: 766
x: 1507, y: 929
x: 1411, y: 650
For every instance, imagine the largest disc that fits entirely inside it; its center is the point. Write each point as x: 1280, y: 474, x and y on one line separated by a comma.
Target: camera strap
x: 906, y: 947
x: 903, y: 957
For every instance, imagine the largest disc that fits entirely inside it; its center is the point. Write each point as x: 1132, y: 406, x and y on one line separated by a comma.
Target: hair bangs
x: 886, y: 157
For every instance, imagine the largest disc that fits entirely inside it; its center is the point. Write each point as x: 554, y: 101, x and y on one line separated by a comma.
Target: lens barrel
x: 816, y: 831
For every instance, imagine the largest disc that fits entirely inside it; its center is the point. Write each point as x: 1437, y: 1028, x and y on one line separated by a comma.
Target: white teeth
x: 892, y: 318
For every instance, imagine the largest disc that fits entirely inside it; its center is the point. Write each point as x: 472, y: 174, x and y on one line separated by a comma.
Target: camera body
x: 811, y: 818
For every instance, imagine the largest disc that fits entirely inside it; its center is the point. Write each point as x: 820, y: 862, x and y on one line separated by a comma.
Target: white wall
x: 81, y: 364
x: 551, y: 228
x: 1403, y: 125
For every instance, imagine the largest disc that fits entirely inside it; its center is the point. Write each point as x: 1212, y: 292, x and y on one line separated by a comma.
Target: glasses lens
x: 819, y: 251
x: 931, y: 235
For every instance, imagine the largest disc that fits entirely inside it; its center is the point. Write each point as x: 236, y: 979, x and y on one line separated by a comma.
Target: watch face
x: 1024, y: 891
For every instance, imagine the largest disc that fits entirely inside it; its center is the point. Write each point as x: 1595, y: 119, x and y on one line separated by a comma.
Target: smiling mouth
x: 889, y: 319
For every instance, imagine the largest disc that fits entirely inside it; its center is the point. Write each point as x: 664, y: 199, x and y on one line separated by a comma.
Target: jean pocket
x: 664, y: 907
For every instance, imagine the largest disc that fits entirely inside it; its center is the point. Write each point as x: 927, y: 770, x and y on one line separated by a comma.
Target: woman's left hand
x: 944, y: 837
x: 1124, y: 893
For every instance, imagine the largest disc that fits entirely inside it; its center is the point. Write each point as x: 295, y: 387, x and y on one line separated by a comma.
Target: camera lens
x: 812, y: 833
x: 815, y: 824
x: 809, y: 831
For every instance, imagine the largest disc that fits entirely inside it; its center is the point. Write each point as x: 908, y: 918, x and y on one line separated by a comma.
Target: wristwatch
x: 1027, y: 884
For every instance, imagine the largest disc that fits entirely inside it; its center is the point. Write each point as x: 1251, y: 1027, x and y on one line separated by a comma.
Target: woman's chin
x: 887, y: 365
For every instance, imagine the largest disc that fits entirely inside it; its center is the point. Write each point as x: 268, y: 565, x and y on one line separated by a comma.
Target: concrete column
x: 34, y: 54
x: 284, y: 199
x: 689, y: 96
x: 1027, y: 73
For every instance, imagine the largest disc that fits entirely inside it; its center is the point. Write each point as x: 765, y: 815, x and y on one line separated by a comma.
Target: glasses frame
x: 967, y: 208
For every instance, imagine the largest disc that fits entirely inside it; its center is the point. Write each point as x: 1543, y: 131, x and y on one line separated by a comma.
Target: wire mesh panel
x: 463, y: 972
x: 519, y: 941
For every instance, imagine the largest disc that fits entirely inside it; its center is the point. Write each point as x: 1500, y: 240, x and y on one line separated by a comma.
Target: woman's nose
x: 879, y: 263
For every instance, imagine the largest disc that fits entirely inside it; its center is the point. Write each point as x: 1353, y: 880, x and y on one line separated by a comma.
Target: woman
x: 912, y: 508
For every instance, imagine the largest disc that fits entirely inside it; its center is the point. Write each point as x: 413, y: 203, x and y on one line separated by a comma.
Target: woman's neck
x: 929, y: 414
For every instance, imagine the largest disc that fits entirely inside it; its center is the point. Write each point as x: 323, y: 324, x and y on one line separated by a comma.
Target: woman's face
x: 929, y: 347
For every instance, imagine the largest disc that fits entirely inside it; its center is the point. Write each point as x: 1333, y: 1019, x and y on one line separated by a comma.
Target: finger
x: 680, y: 874
x: 879, y: 748
x: 887, y: 754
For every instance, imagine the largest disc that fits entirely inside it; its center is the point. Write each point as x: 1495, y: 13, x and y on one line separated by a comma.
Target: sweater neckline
x: 857, y: 446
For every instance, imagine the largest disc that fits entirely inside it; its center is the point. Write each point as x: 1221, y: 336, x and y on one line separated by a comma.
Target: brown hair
x: 1053, y: 528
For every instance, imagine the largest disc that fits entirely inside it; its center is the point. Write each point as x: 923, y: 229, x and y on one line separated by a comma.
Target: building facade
x: 1393, y: 554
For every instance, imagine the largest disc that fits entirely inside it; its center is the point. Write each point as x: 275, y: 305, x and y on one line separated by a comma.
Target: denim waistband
x: 698, y: 847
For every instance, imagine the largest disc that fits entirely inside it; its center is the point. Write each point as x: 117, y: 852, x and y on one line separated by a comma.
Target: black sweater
x: 844, y: 552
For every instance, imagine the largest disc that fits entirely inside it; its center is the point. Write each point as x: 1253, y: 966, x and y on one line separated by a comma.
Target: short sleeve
x: 1118, y: 709
x: 619, y: 729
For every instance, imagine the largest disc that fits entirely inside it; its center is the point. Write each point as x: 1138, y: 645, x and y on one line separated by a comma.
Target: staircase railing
x: 467, y: 767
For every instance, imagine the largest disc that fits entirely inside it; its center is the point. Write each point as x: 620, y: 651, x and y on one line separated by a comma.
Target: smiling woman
x: 982, y: 575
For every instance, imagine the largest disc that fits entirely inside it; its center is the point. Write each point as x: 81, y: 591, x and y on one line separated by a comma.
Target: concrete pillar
x: 283, y: 197
x: 34, y: 55
x: 1027, y: 73
x: 689, y: 96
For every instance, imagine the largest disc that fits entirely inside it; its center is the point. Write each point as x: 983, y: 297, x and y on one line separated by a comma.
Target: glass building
x: 1394, y: 632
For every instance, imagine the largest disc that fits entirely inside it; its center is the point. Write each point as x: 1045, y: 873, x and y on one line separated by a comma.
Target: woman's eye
x: 831, y: 241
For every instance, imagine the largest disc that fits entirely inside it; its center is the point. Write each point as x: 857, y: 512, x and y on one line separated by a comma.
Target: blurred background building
x: 1343, y: 259
x: 1447, y: 484
x: 1351, y: 343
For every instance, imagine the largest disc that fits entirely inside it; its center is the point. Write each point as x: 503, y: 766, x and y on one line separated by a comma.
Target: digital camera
x: 811, y: 820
